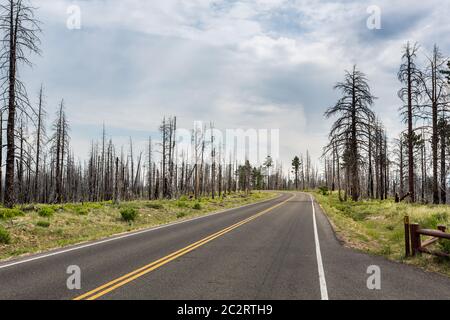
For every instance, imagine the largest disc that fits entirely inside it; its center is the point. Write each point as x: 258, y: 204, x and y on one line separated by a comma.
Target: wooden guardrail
x: 413, y: 241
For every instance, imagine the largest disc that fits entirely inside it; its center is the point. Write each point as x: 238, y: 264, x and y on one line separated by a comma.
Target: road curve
x: 280, y: 249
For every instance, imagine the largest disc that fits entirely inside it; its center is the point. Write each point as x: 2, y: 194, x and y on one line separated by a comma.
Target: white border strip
x: 322, y: 280
x: 132, y: 234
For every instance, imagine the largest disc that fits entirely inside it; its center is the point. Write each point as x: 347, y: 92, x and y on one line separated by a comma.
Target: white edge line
x: 132, y: 234
x: 322, y: 280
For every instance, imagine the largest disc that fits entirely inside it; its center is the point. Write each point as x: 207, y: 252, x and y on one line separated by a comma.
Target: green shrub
x: 156, y: 206
x: 129, y: 214
x: 181, y: 215
x: 445, y: 246
x: 94, y: 205
x: 10, y: 213
x: 358, y: 215
x: 324, y: 190
x: 82, y: 211
x: 70, y: 207
x: 434, y: 220
x: 197, y: 206
x: 46, y: 212
x: 181, y: 204
x: 183, y: 198
x: 5, y: 238
x: 55, y: 207
x: 43, y: 224
x: 441, y: 217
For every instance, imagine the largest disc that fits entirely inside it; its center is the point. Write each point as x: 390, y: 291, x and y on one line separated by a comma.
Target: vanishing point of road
x: 283, y: 248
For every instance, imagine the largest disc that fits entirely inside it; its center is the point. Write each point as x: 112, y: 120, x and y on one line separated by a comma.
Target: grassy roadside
x: 42, y: 227
x: 376, y: 227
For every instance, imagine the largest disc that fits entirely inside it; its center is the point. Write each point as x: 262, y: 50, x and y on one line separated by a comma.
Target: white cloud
x: 248, y: 63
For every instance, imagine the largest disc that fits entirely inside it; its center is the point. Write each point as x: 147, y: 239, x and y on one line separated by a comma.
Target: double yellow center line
x: 123, y: 280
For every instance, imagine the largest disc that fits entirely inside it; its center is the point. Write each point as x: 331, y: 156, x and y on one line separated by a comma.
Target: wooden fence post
x: 407, y: 237
x: 415, y: 238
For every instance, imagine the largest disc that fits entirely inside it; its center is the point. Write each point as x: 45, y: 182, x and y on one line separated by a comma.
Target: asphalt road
x: 279, y: 249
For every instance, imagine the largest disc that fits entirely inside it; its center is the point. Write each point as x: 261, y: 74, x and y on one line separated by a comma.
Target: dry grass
x: 44, y: 227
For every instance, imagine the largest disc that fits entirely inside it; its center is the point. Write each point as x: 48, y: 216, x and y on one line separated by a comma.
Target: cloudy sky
x: 266, y: 64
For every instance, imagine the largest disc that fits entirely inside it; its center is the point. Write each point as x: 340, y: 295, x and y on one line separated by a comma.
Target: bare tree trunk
x: 213, y: 164
x: 423, y: 169
x: 443, y: 164
x: 11, y: 124
x: 354, y: 148
x: 58, y: 154
x: 338, y: 167
x: 411, y: 182
x: 20, y: 28
x: 38, y: 144
x: 116, y: 184
x: 402, y: 187
x: 150, y: 196
x: 1, y: 156
x: 370, y: 177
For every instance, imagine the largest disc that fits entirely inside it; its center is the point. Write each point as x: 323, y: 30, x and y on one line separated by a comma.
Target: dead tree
x: 434, y: 84
x: 40, y: 140
x: 20, y: 36
x: 60, y: 141
x: 350, y: 130
x: 149, y: 170
x: 213, y: 163
x: 410, y: 76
